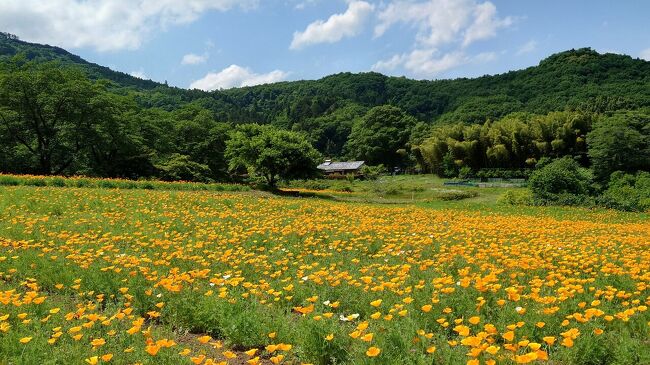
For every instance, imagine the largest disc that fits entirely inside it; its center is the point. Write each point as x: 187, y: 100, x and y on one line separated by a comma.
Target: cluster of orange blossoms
x: 501, y: 287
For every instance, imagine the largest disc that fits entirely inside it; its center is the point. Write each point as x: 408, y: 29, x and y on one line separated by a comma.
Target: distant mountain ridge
x: 567, y: 80
x: 11, y: 45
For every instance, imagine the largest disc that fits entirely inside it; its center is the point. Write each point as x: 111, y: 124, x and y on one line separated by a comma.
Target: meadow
x: 91, y: 275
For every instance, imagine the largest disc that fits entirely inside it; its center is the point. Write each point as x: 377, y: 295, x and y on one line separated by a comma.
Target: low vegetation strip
x: 104, y: 183
x: 180, y: 277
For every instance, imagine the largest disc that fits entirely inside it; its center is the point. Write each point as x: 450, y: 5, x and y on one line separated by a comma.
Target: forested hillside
x: 100, y: 122
x: 573, y: 79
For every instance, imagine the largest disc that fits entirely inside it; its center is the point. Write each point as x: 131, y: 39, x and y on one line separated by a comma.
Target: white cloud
x: 105, y: 25
x: 438, y: 21
x: 422, y: 62
x: 194, y: 59
x: 484, y: 57
x: 527, y: 47
x: 485, y: 23
x: 236, y: 76
x: 645, y: 54
x: 425, y: 63
x: 337, y: 27
x: 303, y: 4
x: 441, y: 22
x: 139, y: 74
x: 442, y: 25
x: 389, y: 64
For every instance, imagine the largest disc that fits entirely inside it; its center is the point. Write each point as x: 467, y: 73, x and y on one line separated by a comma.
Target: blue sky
x: 211, y: 44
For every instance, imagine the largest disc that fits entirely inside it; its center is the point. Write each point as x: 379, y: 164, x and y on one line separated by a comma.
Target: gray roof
x: 338, y: 166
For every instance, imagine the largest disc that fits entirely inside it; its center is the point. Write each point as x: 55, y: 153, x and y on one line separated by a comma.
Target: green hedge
x: 87, y: 182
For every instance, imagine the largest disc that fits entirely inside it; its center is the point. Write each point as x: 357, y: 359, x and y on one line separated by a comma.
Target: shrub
x: 516, y: 197
x: 495, y: 173
x: 562, y: 182
x: 56, y: 181
x: 465, y: 172
x: 627, y: 192
x: 452, y: 195
x: 180, y: 167
x: 372, y: 172
x: 8, y: 180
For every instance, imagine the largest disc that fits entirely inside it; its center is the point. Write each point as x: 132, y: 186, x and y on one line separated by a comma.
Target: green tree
x: 379, y: 134
x: 112, y: 144
x: 620, y: 142
x: 562, y: 181
x: 271, y: 153
x: 45, y: 109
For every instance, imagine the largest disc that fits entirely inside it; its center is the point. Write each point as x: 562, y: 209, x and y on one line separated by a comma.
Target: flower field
x: 95, y: 276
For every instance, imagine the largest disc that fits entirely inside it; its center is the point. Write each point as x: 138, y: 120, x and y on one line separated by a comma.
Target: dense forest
x: 60, y: 114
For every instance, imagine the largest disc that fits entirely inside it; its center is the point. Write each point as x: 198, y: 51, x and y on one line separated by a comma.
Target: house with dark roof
x: 333, y: 168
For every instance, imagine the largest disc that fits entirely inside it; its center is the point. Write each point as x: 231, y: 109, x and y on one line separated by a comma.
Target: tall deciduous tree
x: 45, y: 108
x: 378, y: 136
x: 620, y: 142
x: 271, y: 153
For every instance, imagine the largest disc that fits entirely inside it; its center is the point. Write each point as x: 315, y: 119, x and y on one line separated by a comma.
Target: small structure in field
x: 334, y: 169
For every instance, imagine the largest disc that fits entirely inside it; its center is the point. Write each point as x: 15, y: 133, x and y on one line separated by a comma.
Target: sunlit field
x: 94, y: 276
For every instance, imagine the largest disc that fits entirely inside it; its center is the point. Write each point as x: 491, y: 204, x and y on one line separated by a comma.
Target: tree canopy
x: 61, y: 114
x: 271, y: 153
x: 620, y: 142
x: 379, y: 135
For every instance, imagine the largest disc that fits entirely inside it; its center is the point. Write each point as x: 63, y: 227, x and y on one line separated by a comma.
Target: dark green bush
x: 627, y: 192
x: 180, y: 168
x: 561, y: 182
x: 8, y: 180
x: 372, y: 172
x: 456, y: 195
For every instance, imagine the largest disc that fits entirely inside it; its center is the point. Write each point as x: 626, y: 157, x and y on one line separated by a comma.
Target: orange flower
x: 152, y: 349
x: 373, y: 351
x: 204, y: 339
x: 509, y: 336
x: 107, y: 357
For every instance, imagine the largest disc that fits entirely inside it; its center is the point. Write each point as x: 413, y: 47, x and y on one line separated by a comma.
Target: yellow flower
x: 373, y: 351
x: 107, y: 357
x: 152, y: 349
x: 509, y: 336
x: 98, y: 342
x: 277, y: 359
x: 367, y: 337
x: 25, y: 340
x: 550, y: 340
x: 204, y: 339
x: 251, y: 352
